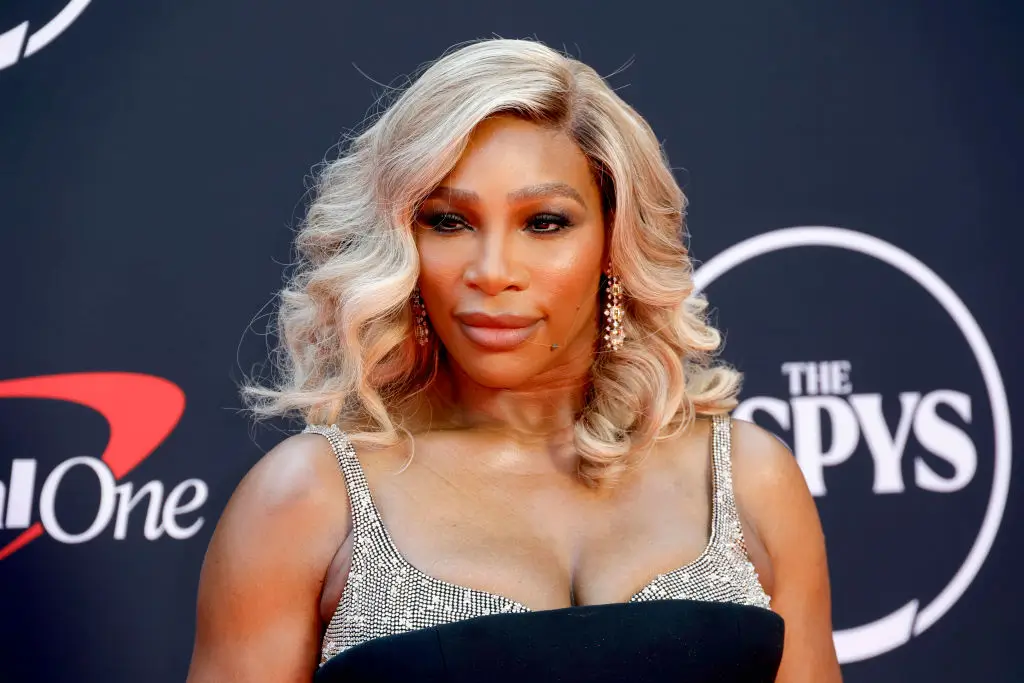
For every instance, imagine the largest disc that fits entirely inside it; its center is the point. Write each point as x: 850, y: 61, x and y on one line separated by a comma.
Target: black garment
x: 682, y: 641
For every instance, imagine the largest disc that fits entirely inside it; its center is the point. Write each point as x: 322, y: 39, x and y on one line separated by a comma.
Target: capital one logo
x: 14, y: 40
x: 825, y: 390
x: 141, y: 411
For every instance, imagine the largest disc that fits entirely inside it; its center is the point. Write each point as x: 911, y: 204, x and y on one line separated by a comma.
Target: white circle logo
x: 895, y: 629
x: 17, y: 42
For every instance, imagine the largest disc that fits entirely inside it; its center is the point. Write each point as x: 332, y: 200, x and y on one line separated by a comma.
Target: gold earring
x: 420, y: 316
x: 614, y: 313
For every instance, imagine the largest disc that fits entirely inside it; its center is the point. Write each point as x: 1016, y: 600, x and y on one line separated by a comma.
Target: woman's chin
x: 499, y: 371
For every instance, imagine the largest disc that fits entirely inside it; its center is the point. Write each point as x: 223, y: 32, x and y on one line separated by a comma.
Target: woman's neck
x: 539, y: 414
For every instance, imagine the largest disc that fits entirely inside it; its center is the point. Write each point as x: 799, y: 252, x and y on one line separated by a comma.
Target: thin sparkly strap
x: 365, y: 519
x: 725, y: 515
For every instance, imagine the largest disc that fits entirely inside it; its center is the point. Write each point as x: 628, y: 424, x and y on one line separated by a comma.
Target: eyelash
x: 561, y: 221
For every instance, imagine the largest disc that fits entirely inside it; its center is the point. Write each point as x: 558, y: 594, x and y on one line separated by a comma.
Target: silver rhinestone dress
x: 385, y: 595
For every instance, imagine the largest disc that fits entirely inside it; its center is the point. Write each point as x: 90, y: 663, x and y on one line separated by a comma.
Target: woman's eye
x: 546, y: 224
x: 445, y: 222
x: 541, y: 224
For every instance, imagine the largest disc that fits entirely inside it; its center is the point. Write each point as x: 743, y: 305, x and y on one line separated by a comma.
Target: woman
x: 493, y: 324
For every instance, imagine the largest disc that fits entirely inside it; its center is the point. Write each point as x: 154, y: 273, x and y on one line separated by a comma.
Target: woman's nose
x: 496, y: 267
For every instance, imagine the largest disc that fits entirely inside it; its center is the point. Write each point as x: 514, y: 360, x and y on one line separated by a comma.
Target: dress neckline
x: 719, y: 423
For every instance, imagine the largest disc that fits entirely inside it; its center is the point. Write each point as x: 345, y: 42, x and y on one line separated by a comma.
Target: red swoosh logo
x: 140, y: 409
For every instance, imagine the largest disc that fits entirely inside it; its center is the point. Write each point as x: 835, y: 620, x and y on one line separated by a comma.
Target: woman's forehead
x: 520, y: 160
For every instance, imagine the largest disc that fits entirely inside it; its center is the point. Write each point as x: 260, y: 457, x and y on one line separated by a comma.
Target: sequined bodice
x: 386, y: 595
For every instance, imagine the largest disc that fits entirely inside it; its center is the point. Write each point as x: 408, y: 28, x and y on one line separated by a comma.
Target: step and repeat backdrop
x: 853, y: 175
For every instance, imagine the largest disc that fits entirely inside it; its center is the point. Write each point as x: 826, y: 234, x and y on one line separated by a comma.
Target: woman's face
x: 511, y: 249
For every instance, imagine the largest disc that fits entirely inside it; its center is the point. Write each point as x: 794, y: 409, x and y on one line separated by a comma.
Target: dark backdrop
x: 154, y: 157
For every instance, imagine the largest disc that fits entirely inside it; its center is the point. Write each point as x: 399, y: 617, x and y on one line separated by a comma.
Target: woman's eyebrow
x: 552, y: 189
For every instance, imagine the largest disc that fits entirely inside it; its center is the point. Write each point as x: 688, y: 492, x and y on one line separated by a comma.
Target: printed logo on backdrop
x: 17, y: 43
x: 141, y: 410
x: 824, y: 387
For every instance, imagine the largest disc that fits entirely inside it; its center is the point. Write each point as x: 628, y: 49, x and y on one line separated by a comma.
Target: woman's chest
x: 542, y: 539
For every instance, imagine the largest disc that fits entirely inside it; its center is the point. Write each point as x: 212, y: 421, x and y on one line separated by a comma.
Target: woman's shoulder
x: 295, y: 493
x: 761, y: 458
x: 302, y: 479
x: 297, y: 476
x: 766, y: 477
x: 779, y: 514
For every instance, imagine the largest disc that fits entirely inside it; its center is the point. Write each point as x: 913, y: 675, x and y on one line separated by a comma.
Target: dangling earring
x: 419, y: 313
x: 614, y: 313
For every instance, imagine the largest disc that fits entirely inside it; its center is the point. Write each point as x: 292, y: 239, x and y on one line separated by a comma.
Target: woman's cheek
x: 441, y: 265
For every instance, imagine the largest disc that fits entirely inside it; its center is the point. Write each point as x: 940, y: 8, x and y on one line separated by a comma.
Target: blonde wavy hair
x: 347, y: 353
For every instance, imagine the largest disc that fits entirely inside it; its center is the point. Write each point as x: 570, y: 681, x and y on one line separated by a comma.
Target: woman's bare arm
x: 258, y: 617
x: 773, y: 497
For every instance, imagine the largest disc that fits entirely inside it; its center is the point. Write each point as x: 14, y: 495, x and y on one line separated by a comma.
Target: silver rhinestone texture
x: 386, y: 595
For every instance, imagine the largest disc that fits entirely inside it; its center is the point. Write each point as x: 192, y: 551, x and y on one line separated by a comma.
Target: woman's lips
x: 498, y: 338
